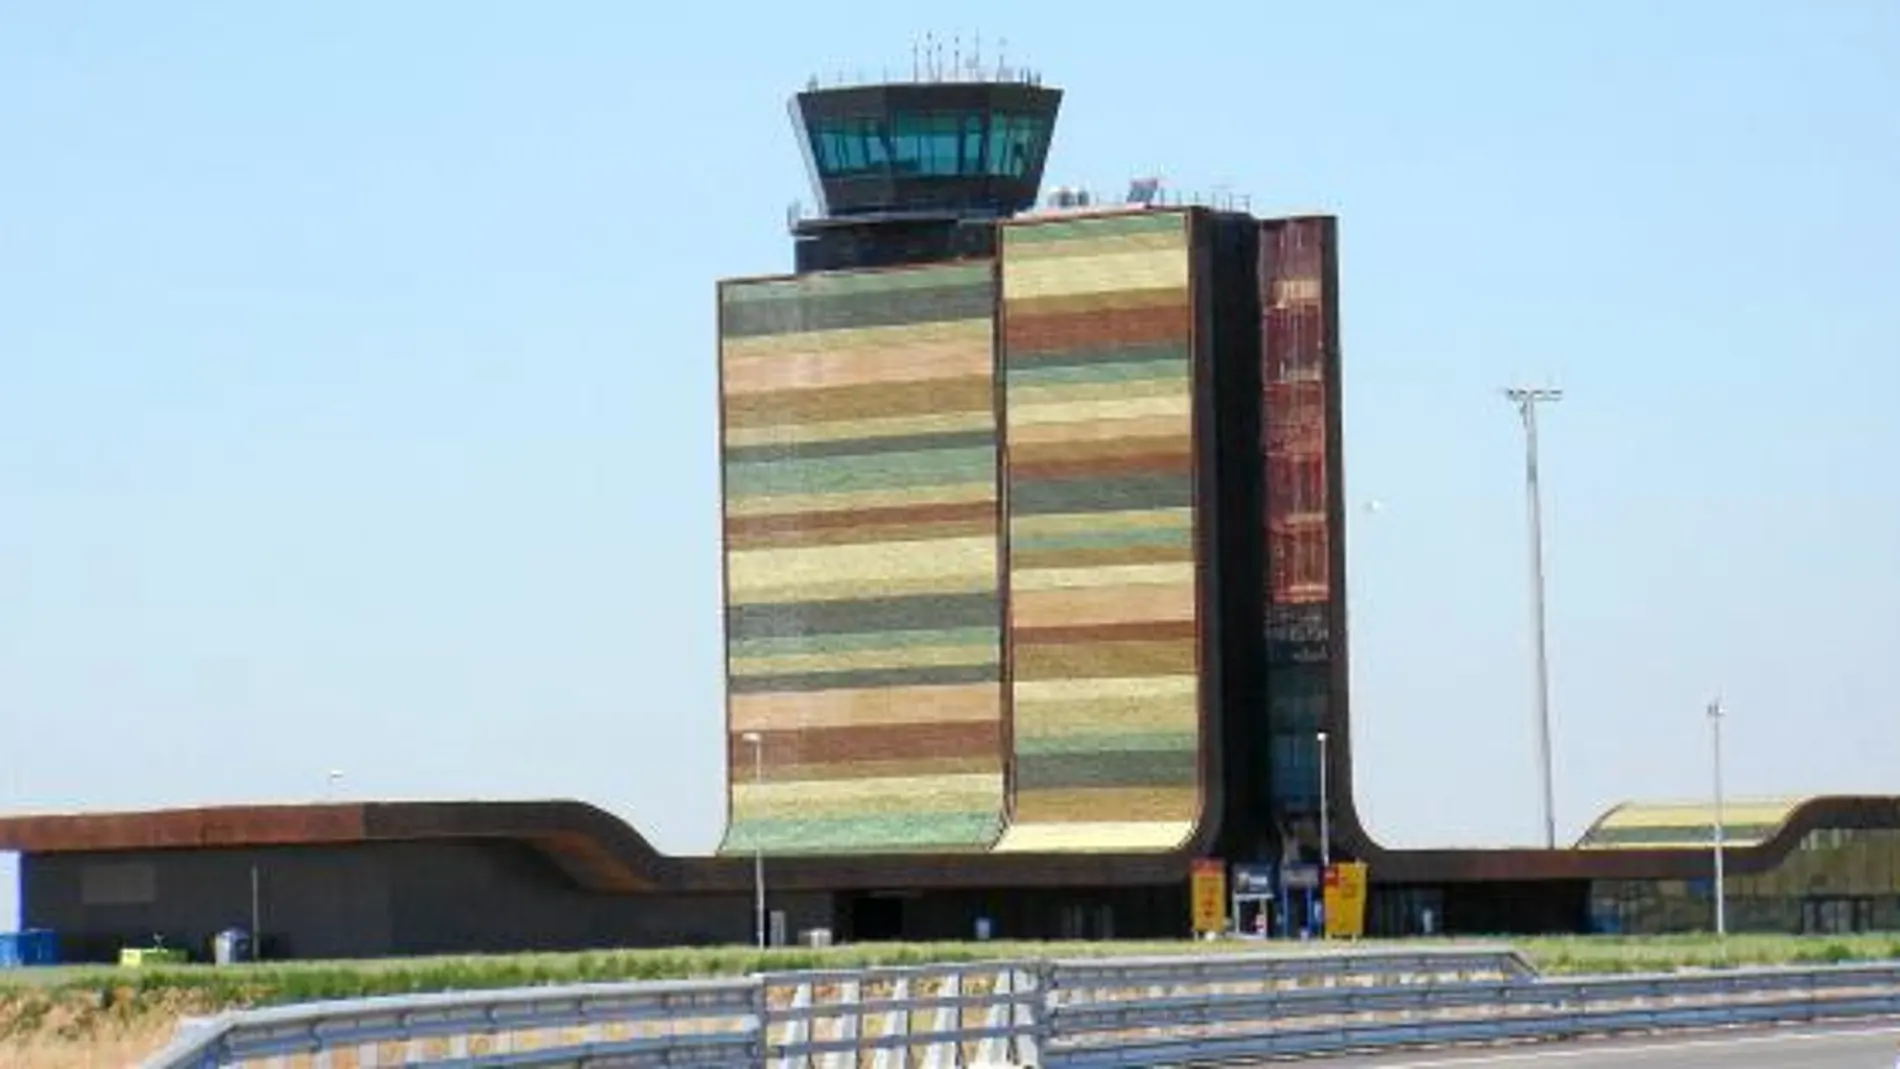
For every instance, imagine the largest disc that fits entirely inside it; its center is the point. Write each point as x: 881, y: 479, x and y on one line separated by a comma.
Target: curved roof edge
x: 597, y: 850
x: 1664, y: 824
x: 601, y: 852
x: 1388, y: 865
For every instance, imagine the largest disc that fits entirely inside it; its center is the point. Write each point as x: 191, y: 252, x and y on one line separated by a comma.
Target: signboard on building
x: 1255, y: 879
x: 1207, y: 893
x: 1299, y: 633
x: 1345, y: 900
x: 1297, y: 877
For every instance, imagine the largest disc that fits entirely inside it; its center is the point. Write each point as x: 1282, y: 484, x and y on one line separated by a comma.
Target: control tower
x: 919, y: 171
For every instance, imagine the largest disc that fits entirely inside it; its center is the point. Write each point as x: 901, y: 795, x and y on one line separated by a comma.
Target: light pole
x: 1527, y: 399
x: 1325, y: 823
x: 1721, y: 891
x: 330, y: 782
x: 757, y: 742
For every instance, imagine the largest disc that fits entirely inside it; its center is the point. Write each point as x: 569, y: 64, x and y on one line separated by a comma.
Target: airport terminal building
x: 1034, y: 597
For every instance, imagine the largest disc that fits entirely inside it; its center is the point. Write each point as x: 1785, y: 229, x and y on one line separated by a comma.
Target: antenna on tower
x: 1002, y: 59
x: 916, y: 72
x: 976, y: 57
x: 956, y: 58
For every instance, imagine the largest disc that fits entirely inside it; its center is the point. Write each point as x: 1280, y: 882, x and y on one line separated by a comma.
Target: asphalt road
x: 1791, y: 1049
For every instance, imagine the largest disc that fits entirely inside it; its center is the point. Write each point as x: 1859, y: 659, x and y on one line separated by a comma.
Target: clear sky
x: 357, y: 391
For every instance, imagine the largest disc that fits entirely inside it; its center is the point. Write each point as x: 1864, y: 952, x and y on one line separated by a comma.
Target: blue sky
x: 357, y: 411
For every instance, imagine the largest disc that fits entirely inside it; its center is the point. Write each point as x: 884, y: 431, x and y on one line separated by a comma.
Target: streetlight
x: 1527, y: 399
x: 330, y: 782
x: 757, y: 742
x: 1325, y: 829
x: 1721, y: 892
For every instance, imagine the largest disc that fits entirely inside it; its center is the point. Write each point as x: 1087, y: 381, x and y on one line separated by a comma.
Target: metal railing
x: 1088, y: 1014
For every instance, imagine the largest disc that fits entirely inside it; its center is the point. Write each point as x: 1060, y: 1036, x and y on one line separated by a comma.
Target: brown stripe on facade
x: 866, y: 532
x: 972, y: 394
x: 990, y: 763
x: 808, y: 746
x: 1102, y: 556
x: 1143, y: 631
x: 1108, y: 328
x: 1173, y: 462
x: 781, y: 523
x: 1105, y: 660
x: 1094, y: 303
x: 1085, y: 449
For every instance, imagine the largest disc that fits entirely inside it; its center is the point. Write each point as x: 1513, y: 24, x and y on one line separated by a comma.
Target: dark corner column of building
x: 1238, y: 476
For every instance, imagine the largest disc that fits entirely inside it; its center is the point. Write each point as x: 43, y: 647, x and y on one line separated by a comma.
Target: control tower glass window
x: 931, y: 144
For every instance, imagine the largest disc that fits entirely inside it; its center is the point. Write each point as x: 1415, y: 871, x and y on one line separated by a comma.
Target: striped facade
x: 1102, y: 595
x: 863, y: 609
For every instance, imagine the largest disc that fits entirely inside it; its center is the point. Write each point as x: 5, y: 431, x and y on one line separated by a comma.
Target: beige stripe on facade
x: 957, y: 703
x: 988, y: 764
x: 818, y: 367
x: 866, y: 566
x: 1084, y: 690
x: 966, y: 655
x: 1095, y: 837
x: 854, y: 429
x: 1028, y: 415
x: 1101, y: 273
x: 858, y: 587
x: 1115, y: 575
x: 1160, y: 239
x: 1087, y: 523
x: 1112, y: 605
x: 852, y: 501
x: 958, y: 331
x: 1047, y: 719
x: 1090, y: 805
x: 1074, y: 392
x: 869, y: 796
x: 1174, y: 425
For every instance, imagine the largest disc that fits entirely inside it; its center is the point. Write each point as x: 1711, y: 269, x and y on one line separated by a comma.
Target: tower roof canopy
x: 926, y: 148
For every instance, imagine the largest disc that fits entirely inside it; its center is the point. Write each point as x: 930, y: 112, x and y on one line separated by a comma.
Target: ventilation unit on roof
x: 1144, y: 191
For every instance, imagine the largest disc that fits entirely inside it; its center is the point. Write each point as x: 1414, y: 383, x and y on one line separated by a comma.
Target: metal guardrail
x: 1085, y: 1014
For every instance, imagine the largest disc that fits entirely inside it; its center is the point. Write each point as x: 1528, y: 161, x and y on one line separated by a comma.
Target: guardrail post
x: 760, y: 1040
x: 946, y: 1019
x: 1033, y: 1017
x: 798, y: 1029
x: 896, y: 1023
x: 1001, y: 1017
x: 850, y: 1018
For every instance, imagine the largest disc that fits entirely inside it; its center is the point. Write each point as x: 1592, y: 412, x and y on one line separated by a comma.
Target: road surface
x: 1789, y: 1049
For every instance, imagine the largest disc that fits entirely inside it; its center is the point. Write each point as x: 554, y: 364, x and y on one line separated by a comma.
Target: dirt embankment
x: 106, y: 1027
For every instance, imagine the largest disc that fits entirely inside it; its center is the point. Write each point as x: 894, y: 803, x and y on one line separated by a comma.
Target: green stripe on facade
x: 849, y: 447
x: 1169, y: 368
x: 1092, y: 743
x: 805, y: 682
x: 923, y: 614
x: 883, y: 832
x: 1024, y: 357
x: 1027, y: 498
x: 796, y: 645
x: 1733, y: 834
x: 876, y: 471
x: 1127, y: 538
x: 1095, y: 229
x: 1106, y: 768
x: 849, y: 311
x: 893, y: 284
